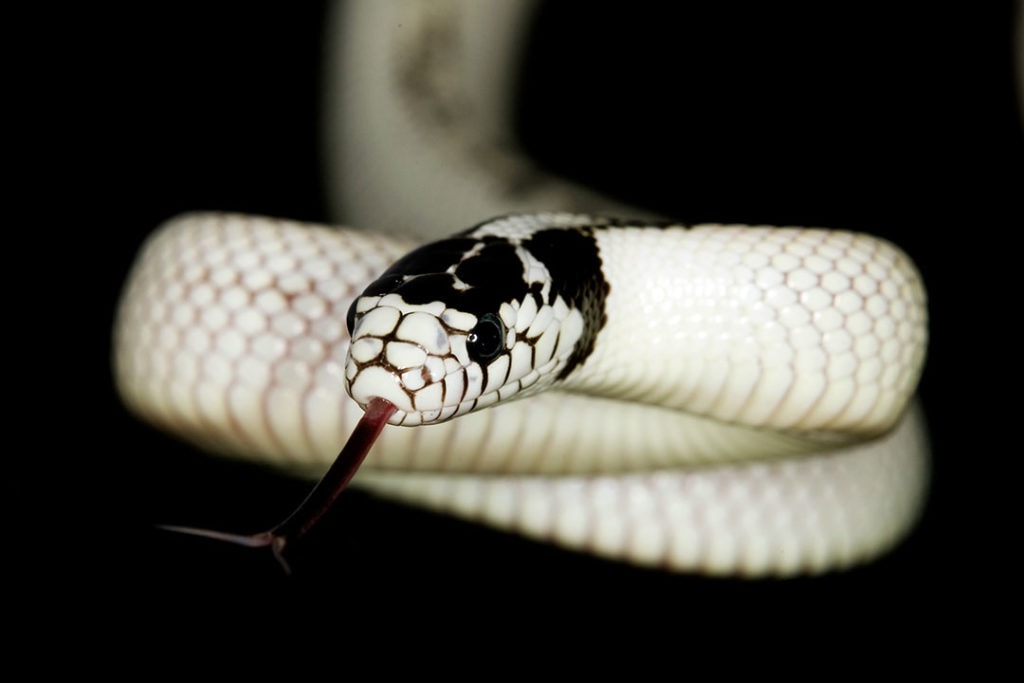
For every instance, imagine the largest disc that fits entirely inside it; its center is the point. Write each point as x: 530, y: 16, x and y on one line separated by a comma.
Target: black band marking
x: 572, y: 258
x: 494, y: 275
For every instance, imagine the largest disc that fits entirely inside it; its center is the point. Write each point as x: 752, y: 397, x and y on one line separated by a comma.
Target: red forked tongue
x: 323, y: 495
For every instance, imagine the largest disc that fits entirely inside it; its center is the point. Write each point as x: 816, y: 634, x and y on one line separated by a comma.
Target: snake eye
x: 487, y: 338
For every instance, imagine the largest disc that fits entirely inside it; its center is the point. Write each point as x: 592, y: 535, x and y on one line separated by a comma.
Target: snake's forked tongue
x: 323, y: 495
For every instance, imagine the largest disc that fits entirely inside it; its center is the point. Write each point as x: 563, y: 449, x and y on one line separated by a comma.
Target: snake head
x: 456, y: 326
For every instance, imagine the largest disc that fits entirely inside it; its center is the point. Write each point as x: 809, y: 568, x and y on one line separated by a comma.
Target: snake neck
x: 822, y: 333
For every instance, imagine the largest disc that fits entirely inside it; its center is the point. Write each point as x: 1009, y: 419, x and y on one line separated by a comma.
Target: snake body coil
x: 727, y: 399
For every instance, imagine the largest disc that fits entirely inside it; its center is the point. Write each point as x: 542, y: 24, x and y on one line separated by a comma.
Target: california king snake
x: 715, y: 398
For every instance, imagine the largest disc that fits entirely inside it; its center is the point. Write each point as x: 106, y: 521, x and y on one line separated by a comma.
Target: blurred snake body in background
x: 725, y: 399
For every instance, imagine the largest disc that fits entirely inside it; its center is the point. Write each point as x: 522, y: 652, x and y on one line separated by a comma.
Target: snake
x: 715, y: 398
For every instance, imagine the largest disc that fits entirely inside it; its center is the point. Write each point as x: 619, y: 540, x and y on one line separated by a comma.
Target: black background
x: 896, y: 121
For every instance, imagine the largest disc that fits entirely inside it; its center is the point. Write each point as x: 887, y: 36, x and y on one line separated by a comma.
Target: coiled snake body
x: 689, y: 351
x: 717, y: 398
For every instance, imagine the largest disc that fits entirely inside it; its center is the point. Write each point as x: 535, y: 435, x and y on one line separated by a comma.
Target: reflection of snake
x: 775, y: 343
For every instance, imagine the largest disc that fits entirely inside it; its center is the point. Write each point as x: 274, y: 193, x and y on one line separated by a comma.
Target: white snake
x: 746, y: 408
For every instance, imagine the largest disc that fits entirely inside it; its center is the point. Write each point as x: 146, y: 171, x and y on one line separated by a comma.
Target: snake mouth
x: 434, y: 399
